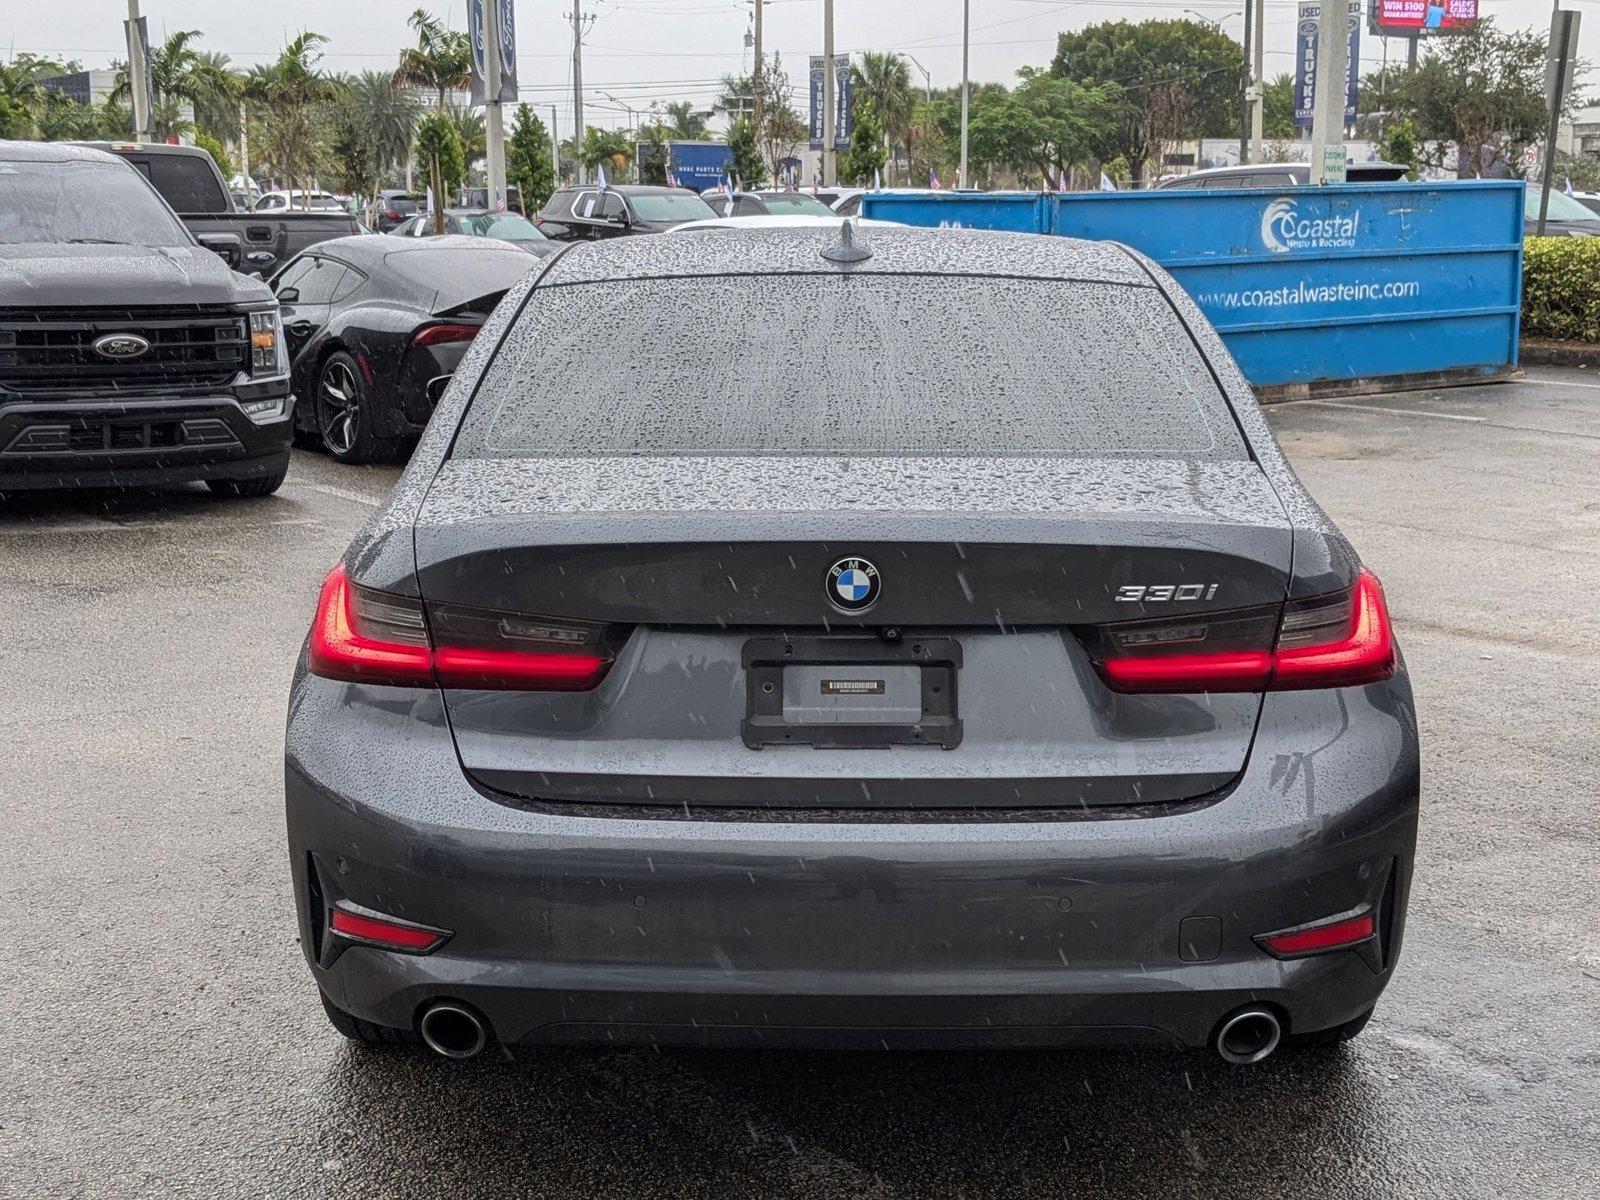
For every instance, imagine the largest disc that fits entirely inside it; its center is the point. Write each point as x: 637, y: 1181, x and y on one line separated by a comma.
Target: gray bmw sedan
x: 785, y: 637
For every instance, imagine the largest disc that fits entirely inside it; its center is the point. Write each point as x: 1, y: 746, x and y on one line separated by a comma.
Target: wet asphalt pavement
x: 160, y: 1036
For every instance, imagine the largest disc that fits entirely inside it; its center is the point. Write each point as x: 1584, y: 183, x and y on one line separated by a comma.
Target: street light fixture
x: 1216, y: 23
x: 927, y: 79
x: 633, y: 126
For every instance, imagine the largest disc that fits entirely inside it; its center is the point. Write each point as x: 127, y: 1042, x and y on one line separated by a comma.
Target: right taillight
x: 364, y: 636
x: 1337, y: 640
x: 443, y: 335
x: 1325, y: 645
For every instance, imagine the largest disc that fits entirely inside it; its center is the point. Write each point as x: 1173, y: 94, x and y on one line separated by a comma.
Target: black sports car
x: 376, y: 326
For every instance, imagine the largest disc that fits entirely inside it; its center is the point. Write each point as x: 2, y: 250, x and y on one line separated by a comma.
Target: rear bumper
x: 595, y: 929
x: 63, y: 442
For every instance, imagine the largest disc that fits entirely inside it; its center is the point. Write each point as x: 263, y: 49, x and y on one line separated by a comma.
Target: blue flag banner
x: 844, y: 107
x: 1305, y: 63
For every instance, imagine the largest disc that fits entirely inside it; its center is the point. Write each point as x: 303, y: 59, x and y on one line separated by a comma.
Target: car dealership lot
x: 160, y: 1036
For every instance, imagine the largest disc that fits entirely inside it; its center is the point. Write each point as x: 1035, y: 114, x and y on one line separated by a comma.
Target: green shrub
x: 1561, y: 288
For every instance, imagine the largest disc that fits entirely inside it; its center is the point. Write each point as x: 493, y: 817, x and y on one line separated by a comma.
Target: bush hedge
x: 1561, y: 288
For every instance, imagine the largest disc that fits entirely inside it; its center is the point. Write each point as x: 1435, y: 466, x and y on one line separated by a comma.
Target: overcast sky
x: 641, y: 50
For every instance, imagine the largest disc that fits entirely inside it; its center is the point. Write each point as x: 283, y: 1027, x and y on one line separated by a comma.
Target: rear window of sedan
x: 670, y: 206
x: 848, y: 365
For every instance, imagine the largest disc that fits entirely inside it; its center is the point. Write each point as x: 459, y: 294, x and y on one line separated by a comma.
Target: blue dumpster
x: 1355, y: 286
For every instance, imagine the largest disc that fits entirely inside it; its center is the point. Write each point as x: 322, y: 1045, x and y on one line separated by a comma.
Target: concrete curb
x: 1376, y: 386
x: 1549, y: 353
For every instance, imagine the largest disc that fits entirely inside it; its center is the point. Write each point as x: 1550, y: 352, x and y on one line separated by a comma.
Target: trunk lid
x: 697, y: 560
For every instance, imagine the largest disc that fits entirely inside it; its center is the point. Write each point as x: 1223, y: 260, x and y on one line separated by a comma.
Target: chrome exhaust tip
x: 1248, y: 1035
x: 453, y: 1031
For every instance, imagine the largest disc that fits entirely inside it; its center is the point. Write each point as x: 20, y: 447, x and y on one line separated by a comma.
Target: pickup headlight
x: 268, y: 356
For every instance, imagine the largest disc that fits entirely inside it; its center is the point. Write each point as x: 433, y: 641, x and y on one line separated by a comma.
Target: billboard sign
x: 1305, y: 63
x: 1409, y: 18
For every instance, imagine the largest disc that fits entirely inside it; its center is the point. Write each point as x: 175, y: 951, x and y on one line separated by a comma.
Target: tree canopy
x: 441, y: 61
x: 1482, y: 90
x: 1175, y: 79
x: 528, y: 163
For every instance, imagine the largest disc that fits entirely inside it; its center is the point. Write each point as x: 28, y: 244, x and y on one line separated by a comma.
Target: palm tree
x: 216, y: 108
x: 22, y: 91
x: 178, y: 74
x: 883, y: 82
x: 471, y: 132
x: 387, y: 113
x: 441, y: 59
x: 292, y: 96
x: 685, y: 123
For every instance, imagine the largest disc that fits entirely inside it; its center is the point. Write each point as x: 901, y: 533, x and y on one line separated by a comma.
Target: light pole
x: 136, y: 69
x: 1258, y: 95
x: 577, y: 91
x: 1216, y: 24
x: 633, y: 125
x: 966, y: 45
x: 494, y: 129
x: 829, y: 158
x: 927, y: 79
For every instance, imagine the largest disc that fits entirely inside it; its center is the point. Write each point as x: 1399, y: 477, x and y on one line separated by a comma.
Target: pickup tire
x: 345, y: 413
x: 263, y: 485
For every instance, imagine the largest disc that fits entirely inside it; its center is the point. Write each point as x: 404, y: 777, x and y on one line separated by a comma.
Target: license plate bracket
x: 777, y: 716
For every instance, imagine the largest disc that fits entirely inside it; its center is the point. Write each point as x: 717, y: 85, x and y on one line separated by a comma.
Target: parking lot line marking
x: 337, y: 493
x: 1542, y: 382
x: 46, y: 528
x: 1399, y: 412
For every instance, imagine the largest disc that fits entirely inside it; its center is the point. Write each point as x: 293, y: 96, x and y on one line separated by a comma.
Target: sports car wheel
x: 346, y: 413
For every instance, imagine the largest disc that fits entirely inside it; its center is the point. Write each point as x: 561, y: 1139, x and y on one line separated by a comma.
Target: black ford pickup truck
x: 255, y: 243
x: 130, y: 355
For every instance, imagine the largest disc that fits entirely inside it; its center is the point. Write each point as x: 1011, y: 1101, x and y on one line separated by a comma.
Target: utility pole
x: 966, y: 28
x: 1327, y: 106
x: 577, y: 91
x: 244, y: 150
x: 1244, y: 87
x: 136, y: 69
x: 1258, y: 95
x: 760, y: 70
x: 494, y: 128
x: 555, y: 152
x: 1563, y: 48
x: 829, y: 165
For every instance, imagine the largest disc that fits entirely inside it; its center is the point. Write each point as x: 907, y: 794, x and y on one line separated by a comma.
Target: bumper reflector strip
x: 377, y: 931
x: 1315, y: 939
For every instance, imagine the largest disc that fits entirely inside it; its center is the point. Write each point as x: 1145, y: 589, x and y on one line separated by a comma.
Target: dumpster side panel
x: 1311, y: 285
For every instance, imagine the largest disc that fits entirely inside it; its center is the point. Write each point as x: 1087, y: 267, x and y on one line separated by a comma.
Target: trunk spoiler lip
x: 456, y: 308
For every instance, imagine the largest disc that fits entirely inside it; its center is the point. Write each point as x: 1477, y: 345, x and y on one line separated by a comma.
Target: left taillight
x: 360, y: 635
x: 1337, y: 640
x: 444, y: 335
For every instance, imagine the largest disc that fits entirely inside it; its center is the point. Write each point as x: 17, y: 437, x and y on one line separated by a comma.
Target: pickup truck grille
x: 45, y: 351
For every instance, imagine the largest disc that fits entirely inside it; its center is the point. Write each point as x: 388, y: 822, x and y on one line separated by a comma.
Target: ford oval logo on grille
x: 120, y: 345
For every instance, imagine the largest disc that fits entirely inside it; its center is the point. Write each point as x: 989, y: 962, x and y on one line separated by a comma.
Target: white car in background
x: 775, y: 221
x: 299, y: 201
x: 849, y: 202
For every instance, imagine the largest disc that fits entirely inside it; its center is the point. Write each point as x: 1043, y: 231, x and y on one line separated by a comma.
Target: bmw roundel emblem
x: 853, y: 584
